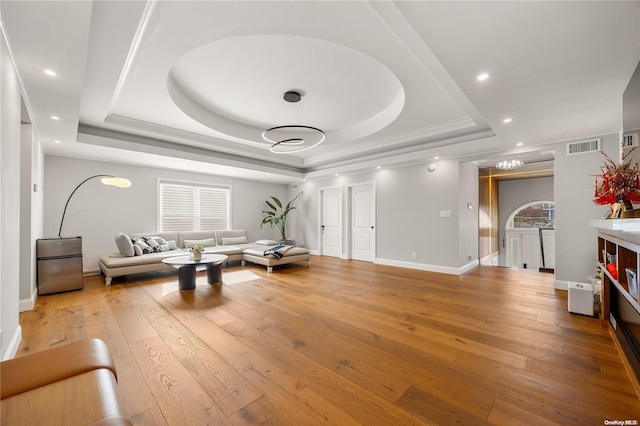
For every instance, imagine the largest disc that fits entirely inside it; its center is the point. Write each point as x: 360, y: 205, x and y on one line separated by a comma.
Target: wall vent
x: 630, y: 140
x: 592, y: 145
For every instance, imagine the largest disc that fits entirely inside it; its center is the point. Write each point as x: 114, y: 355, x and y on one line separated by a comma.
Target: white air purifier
x: 581, y: 298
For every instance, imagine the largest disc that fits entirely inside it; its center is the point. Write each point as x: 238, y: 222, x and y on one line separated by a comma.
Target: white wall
x: 515, y: 193
x: 97, y: 212
x: 409, y: 201
x: 468, y: 199
x: 576, y: 241
x: 10, y: 332
x: 31, y: 165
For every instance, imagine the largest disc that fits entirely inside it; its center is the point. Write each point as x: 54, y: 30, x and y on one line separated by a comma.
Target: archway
x: 530, y: 236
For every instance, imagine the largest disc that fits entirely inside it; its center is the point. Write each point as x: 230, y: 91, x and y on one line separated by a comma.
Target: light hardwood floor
x: 345, y: 342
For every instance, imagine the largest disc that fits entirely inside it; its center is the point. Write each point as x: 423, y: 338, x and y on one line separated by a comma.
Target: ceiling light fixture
x: 292, y: 138
x: 507, y: 120
x: 509, y: 164
x: 483, y: 76
x: 50, y: 73
x: 55, y: 117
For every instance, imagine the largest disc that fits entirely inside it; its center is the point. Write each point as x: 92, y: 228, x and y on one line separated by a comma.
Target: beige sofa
x: 232, y: 243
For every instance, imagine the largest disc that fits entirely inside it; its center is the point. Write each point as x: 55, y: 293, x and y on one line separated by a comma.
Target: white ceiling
x: 193, y: 84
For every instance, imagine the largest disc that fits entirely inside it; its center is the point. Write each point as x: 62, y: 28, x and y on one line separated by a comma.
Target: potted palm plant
x: 276, y: 216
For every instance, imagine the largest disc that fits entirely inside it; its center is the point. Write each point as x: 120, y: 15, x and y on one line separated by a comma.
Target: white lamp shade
x: 120, y: 182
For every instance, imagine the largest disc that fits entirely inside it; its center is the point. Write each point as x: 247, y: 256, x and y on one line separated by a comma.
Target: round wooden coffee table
x: 187, y: 268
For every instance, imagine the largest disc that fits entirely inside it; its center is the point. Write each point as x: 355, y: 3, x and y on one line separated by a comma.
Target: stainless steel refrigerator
x: 59, y: 264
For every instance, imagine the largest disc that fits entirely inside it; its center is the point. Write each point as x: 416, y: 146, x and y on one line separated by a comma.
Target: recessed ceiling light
x: 507, y: 120
x: 55, y: 117
x: 57, y: 141
x: 483, y: 76
x: 50, y: 73
x: 378, y: 167
x: 436, y: 158
x: 520, y: 144
x: 336, y: 174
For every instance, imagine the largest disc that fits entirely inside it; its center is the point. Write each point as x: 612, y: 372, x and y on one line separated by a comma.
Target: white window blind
x: 185, y: 207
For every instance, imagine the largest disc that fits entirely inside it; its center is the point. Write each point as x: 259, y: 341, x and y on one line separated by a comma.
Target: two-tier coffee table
x: 187, y: 268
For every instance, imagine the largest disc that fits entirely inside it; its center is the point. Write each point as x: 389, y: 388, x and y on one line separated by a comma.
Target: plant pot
x: 197, y: 256
x: 287, y: 242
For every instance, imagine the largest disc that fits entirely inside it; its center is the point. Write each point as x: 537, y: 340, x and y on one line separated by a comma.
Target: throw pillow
x: 138, y: 250
x: 158, y: 244
x: 146, y: 249
x: 209, y: 242
x: 234, y: 240
x: 267, y: 242
x: 172, y: 245
x: 125, y: 246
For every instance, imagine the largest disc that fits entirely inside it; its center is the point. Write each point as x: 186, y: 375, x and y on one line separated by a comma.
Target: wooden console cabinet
x: 619, y: 245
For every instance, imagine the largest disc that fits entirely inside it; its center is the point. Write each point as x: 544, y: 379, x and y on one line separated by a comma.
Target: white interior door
x: 549, y: 245
x: 530, y: 251
x: 331, y: 222
x: 524, y: 248
x: 363, y: 240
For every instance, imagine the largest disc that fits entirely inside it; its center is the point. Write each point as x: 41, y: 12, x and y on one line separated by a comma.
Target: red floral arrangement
x: 617, y: 182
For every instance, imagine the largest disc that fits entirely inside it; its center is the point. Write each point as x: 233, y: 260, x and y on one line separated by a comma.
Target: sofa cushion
x: 209, y: 242
x: 228, y: 250
x: 119, y: 261
x: 125, y: 246
x: 266, y: 242
x: 229, y: 241
x: 195, y: 235
x: 230, y: 233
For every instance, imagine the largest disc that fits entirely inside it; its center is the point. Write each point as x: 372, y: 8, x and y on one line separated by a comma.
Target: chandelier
x: 509, y: 164
x: 292, y: 138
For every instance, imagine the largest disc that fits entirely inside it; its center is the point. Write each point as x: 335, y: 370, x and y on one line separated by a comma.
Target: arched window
x: 536, y: 214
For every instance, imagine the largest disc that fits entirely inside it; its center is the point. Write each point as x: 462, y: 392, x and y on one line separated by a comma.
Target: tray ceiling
x: 195, y: 83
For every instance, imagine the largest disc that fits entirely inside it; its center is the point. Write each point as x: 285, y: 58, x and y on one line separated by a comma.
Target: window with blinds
x: 186, y: 207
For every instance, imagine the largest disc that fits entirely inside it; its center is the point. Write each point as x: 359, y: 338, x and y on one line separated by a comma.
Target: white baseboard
x: 469, y: 266
x: 314, y: 252
x: 28, y: 304
x: 426, y: 267
x: 12, y: 348
x: 561, y: 285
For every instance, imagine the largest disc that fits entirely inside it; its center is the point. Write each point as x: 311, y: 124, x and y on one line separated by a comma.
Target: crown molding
x: 391, y: 142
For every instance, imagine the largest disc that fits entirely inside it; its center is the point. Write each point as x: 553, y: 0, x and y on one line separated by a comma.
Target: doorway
x: 362, y: 229
x: 530, y: 236
x: 330, y: 221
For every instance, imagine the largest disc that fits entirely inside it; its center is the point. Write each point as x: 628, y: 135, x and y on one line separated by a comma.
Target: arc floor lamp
x: 110, y: 180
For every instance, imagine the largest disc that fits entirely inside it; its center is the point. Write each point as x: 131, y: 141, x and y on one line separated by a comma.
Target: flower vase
x: 614, y: 210
x: 197, y: 256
